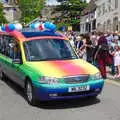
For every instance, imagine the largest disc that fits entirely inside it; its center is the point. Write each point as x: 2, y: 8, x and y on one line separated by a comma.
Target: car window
x: 17, y: 52
x: 1, y: 43
x: 48, y: 49
x: 13, y: 49
x: 9, y: 47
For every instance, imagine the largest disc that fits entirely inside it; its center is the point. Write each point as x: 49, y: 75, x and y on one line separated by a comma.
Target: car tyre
x: 29, y: 93
x: 2, y: 76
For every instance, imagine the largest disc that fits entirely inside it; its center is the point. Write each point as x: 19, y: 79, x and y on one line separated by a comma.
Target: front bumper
x: 46, y: 92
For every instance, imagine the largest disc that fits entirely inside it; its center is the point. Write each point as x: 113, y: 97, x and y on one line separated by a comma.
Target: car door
x: 17, y: 66
x: 3, y: 53
x: 13, y: 70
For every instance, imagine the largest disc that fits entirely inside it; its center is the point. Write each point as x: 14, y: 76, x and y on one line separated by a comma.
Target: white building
x: 108, y: 15
x: 88, y: 19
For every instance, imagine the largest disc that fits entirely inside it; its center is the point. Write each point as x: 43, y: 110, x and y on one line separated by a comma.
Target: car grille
x: 76, y: 79
x: 78, y: 93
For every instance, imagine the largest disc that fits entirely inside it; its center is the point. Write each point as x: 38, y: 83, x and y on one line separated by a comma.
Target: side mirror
x: 17, y: 61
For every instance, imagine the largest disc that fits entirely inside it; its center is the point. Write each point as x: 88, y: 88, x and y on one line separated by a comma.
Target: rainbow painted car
x: 47, y: 67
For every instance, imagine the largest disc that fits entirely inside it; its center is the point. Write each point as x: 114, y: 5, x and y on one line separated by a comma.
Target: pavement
x: 110, y: 76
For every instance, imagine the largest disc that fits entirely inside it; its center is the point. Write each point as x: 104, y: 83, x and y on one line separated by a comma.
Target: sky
x: 3, y: 0
x: 52, y: 2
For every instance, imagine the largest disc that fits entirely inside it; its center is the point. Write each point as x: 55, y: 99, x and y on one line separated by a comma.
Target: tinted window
x: 9, y: 47
x: 4, y: 44
x: 1, y: 43
x: 49, y: 49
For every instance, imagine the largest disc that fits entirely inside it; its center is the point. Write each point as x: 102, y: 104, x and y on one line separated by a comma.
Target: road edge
x: 112, y: 82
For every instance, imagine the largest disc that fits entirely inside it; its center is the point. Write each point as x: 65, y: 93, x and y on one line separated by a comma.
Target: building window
x: 115, y: 24
x: 108, y: 25
x: 103, y: 8
x: 94, y: 24
x: 109, y: 5
x: 99, y: 11
x: 98, y: 27
x: 104, y: 27
x: 116, y: 4
x: 88, y: 27
x: 109, y: 1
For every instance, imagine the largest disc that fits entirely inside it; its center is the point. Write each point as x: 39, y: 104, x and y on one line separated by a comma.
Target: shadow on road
x: 15, y: 87
x: 66, y: 104
x: 62, y: 104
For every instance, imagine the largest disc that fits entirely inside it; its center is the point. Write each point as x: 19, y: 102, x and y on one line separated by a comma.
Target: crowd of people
x: 99, y: 49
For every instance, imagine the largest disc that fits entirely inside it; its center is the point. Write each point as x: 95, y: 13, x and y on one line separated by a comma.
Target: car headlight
x: 48, y: 80
x: 96, y: 76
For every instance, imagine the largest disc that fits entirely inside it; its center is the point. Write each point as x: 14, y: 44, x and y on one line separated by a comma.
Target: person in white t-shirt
x: 116, y: 55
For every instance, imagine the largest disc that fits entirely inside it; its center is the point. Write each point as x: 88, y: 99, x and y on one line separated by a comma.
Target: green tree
x: 71, y: 10
x: 2, y: 18
x: 30, y: 9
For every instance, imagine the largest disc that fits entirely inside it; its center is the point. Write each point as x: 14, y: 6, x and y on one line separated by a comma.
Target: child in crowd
x: 116, y: 55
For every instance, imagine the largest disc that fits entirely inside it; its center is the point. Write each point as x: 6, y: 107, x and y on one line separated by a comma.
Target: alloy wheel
x: 29, y: 91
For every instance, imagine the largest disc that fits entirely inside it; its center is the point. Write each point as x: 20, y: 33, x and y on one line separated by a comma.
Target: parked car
x: 46, y: 66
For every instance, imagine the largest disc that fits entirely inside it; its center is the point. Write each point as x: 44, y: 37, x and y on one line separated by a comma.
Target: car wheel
x: 29, y: 93
x: 2, y: 76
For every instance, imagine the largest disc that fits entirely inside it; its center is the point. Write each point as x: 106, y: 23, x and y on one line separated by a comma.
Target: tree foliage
x: 30, y: 9
x: 72, y: 5
x: 71, y: 9
x: 2, y: 18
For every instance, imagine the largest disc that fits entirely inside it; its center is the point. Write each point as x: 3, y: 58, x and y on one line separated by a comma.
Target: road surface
x: 13, y: 106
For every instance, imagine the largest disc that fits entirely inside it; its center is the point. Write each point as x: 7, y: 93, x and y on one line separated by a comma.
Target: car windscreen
x: 48, y: 49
